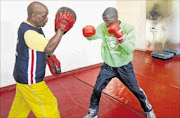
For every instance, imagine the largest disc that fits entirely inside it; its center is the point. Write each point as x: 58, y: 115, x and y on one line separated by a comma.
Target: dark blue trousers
x: 127, y: 76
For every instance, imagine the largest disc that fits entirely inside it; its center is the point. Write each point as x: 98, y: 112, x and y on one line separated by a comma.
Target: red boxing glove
x: 117, y: 31
x: 65, y: 19
x: 54, y: 65
x: 89, y: 31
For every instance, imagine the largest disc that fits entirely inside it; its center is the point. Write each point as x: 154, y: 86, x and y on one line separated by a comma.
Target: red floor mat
x: 167, y: 72
x: 73, y: 98
x: 159, y: 79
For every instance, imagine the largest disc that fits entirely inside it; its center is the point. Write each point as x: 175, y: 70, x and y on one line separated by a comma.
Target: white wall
x: 74, y: 50
x: 167, y: 25
x: 173, y: 26
x: 134, y: 13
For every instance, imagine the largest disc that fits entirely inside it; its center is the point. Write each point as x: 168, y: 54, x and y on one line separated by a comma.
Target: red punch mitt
x: 54, y: 65
x: 65, y: 19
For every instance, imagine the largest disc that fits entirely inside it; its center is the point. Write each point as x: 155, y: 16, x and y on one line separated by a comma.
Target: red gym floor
x: 159, y: 79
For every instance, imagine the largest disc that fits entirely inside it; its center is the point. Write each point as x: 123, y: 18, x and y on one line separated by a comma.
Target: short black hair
x: 110, y: 11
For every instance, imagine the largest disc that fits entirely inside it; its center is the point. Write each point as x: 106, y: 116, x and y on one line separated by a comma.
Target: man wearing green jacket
x: 118, y: 44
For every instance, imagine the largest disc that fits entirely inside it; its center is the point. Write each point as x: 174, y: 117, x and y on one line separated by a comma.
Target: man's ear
x: 33, y: 16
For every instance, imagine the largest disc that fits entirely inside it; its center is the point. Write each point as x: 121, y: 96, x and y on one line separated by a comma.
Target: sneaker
x: 150, y: 114
x: 91, y: 114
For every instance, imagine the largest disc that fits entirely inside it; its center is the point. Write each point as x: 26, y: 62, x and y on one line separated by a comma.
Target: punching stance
x: 118, y: 44
x: 32, y: 50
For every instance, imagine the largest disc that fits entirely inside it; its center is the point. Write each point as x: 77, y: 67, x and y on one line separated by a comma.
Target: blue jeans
x: 127, y: 76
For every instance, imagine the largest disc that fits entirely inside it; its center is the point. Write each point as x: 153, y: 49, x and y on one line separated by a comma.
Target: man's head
x: 37, y: 14
x: 110, y: 16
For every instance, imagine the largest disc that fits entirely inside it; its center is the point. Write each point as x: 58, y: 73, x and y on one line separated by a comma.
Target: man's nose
x: 46, y: 19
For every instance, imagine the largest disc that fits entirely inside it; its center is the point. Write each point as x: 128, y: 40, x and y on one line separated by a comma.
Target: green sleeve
x: 128, y: 45
x: 99, y: 33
